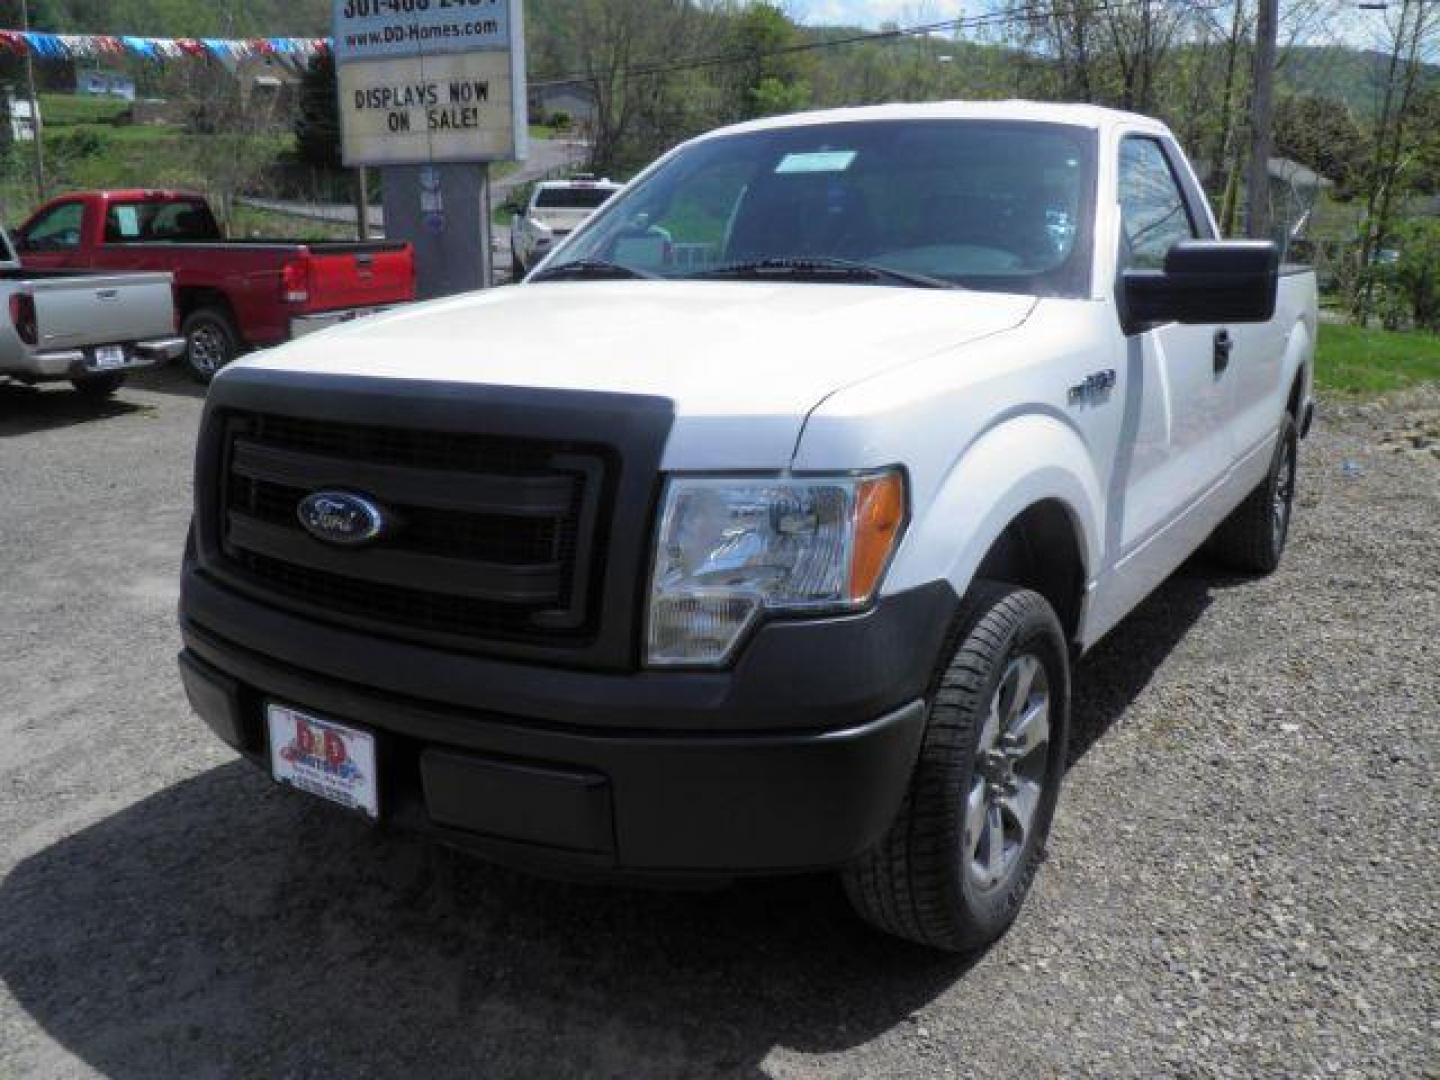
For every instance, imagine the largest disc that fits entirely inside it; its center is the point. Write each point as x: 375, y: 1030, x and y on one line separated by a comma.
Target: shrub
x: 1415, y: 275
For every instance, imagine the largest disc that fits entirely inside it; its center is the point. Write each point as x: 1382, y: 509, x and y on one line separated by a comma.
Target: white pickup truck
x: 775, y: 557
x: 555, y: 210
x: 89, y: 328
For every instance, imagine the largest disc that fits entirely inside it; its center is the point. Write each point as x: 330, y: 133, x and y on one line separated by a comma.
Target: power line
x: 694, y: 63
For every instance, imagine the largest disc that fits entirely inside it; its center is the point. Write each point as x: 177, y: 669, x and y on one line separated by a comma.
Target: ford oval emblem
x: 340, y: 517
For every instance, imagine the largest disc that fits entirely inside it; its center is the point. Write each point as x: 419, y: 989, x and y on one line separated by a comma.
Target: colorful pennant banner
x: 296, y: 51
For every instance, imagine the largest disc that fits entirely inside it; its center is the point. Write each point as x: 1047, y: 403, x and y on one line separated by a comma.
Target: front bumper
x: 796, y: 759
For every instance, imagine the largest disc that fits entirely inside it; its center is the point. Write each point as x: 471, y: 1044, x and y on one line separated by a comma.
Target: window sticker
x: 127, y: 220
x: 816, y: 161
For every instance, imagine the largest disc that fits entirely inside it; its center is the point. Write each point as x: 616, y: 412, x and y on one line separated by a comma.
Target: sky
x: 872, y: 12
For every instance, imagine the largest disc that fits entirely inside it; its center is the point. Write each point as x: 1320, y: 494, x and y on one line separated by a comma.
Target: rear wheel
x: 210, y: 342
x: 99, y: 386
x: 1252, y: 538
x: 958, y: 860
x: 517, y: 268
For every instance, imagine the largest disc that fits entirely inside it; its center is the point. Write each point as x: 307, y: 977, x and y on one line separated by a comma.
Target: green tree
x: 1322, y: 134
x: 1396, y: 136
x: 1416, y: 273
x: 317, y: 119
x: 767, y: 76
x: 1425, y: 171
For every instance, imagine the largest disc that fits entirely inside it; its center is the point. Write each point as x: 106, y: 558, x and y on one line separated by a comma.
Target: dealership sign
x: 425, y: 81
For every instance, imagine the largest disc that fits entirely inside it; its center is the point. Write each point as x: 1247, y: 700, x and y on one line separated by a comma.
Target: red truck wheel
x: 211, y: 342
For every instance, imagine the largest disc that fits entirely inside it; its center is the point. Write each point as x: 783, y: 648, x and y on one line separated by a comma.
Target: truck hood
x: 743, y: 362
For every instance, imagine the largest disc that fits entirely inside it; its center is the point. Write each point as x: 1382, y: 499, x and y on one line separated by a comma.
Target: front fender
x: 1010, y: 467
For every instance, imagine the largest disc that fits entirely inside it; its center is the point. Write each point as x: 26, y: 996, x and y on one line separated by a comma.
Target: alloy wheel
x: 207, y: 350
x: 1284, y: 494
x: 1010, y: 772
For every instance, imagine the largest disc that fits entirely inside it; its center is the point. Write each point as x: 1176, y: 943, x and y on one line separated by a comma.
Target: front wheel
x: 210, y: 342
x: 958, y: 860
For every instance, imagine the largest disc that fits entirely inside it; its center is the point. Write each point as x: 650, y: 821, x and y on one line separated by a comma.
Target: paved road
x: 1241, y: 881
x: 546, y: 156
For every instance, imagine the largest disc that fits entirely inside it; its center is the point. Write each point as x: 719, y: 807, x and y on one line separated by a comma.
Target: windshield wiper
x: 596, y: 268
x: 823, y: 268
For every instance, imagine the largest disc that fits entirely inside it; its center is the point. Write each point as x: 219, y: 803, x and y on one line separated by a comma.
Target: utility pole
x: 1261, y: 120
x: 36, y: 127
x: 362, y: 203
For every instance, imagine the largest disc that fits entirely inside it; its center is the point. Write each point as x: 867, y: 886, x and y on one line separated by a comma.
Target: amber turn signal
x: 879, y: 519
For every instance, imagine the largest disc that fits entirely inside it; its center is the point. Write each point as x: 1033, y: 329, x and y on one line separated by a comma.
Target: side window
x: 122, y: 222
x: 159, y: 221
x: 183, y: 221
x: 59, y: 230
x: 1153, y: 213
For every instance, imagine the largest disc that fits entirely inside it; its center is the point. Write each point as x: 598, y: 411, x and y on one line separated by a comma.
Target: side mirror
x: 1204, y: 281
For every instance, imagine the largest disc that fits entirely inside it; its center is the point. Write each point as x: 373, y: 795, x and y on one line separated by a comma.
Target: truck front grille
x: 493, y: 538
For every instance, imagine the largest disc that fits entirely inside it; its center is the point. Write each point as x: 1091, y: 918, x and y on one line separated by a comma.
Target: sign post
x: 433, y: 91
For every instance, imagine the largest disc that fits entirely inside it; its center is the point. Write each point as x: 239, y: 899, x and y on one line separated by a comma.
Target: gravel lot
x: 1242, y: 876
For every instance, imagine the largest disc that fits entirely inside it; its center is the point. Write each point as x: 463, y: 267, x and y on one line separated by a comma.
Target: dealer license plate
x: 109, y: 356
x: 324, y: 758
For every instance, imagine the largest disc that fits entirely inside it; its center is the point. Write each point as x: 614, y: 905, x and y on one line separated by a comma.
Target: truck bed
x: 322, y: 247
x: 337, y: 273
x: 60, y: 321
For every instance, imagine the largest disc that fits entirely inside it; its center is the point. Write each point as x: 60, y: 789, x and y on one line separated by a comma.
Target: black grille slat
x: 384, y: 608
x: 509, y: 584
x: 493, y: 538
x: 460, y: 451
x: 431, y: 532
x: 440, y: 489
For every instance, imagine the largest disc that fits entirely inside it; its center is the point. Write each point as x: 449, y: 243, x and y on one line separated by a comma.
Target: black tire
x: 99, y: 386
x: 517, y: 268
x: 1252, y: 538
x: 924, y: 881
x: 210, y: 342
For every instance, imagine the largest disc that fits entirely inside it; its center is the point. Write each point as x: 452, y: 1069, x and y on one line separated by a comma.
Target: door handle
x: 1223, y: 344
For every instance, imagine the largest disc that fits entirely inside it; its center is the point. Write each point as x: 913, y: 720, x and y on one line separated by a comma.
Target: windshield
x: 571, y: 198
x: 983, y: 204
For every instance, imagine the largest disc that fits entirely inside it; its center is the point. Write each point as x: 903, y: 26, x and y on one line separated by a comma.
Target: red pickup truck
x: 229, y: 294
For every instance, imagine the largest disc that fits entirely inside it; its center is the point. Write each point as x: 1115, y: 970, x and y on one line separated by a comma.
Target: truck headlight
x: 729, y: 550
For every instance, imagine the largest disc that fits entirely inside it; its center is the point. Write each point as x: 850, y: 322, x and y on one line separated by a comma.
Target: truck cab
x: 759, y: 530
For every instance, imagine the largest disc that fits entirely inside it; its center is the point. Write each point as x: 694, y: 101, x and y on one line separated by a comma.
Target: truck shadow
x: 1122, y: 664
x: 225, y: 927
x: 168, y: 378
x: 28, y: 409
x: 222, y: 927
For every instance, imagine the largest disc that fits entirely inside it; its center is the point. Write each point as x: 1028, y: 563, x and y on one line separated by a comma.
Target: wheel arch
x: 1022, y: 504
x: 1298, y: 373
x: 191, y: 298
x: 1041, y: 550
